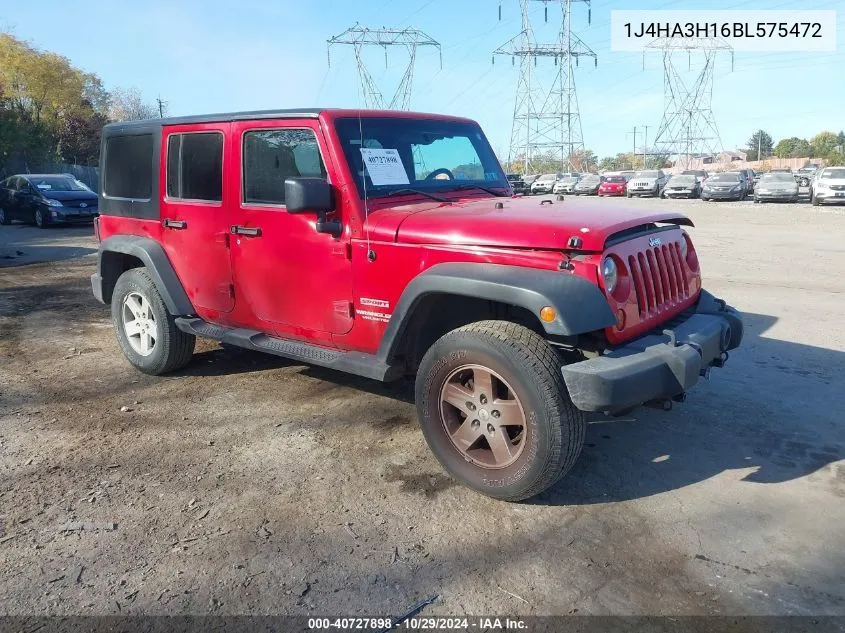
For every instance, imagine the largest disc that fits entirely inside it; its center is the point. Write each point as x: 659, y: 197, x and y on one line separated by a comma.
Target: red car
x: 613, y: 186
x: 389, y: 245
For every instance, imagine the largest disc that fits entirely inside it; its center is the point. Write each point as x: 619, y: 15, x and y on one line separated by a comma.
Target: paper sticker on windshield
x: 384, y: 166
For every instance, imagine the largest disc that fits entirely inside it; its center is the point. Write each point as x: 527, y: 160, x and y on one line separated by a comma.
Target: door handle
x: 174, y: 224
x: 246, y: 230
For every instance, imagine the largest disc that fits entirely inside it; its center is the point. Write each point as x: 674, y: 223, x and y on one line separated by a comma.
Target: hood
x: 69, y: 195
x: 520, y: 223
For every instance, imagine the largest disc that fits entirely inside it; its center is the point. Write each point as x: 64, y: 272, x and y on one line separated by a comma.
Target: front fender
x: 580, y: 305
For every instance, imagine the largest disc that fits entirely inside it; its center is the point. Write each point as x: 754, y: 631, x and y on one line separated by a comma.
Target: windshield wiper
x: 500, y: 194
x: 404, y: 192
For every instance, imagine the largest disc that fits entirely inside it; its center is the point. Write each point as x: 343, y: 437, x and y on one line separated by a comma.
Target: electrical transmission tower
x: 360, y: 36
x: 688, y: 128
x: 546, y: 121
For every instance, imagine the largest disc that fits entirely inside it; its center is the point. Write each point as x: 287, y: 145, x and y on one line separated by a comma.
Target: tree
x: 823, y: 143
x: 584, y: 160
x: 793, y: 147
x: 79, y: 138
x: 127, y: 104
x: 762, y: 141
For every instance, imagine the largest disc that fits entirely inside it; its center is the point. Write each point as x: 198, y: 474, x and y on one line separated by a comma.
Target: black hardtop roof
x: 249, y: 115
x: 292, y: 113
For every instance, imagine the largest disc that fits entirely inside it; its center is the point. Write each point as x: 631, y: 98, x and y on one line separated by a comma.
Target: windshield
x: 833, y: 173
x: 546, y: 177
x: 424, y: 154
x: 649, y: 173
x: 590, y: 178
x: 700, y: 174
x: 569, y: 181
x: 57, y: 183
x: 724, y: 178
x: 682, y: 180
x: 777, y: 177
x: 615, y: 179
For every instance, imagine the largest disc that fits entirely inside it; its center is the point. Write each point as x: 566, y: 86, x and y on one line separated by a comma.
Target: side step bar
x: 358, y: 363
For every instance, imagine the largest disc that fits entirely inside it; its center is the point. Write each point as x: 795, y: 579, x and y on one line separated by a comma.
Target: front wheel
x: 4, y: 219
x: 146, y: 331
x: 495, y: 411
x: 39, y: 219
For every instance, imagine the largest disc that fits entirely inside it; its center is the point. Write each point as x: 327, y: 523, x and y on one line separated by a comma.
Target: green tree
x: 823, y: 143
x: 793, y: 147
x: 761, y: 141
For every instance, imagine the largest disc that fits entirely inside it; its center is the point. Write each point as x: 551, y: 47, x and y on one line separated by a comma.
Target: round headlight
x: 610, y: 274
x: 684, y: 247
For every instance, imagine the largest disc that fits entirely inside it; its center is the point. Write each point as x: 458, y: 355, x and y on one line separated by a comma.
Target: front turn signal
x: 548, y: 314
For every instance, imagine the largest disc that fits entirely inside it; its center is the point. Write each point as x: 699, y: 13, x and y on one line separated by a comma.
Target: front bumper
x: 72, y: 218
x: 657, y: 367
x: 776, y: 195
x: 829, y: 195
x: 541, y: 189
x: 644, y: 191
x: 723, y: 195
x: 679, y: 193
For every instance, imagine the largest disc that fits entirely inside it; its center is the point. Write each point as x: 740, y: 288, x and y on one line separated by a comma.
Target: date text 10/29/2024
x: 418, y: 624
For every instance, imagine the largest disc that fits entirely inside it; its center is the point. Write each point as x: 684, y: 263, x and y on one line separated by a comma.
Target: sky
x: 203, y: 56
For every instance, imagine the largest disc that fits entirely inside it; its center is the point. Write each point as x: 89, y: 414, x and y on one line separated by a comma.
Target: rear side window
x: 195, y: 166
x: 270, y: 156
x: 129, y: 167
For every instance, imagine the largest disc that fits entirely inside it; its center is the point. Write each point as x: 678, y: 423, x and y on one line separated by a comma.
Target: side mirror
x: 308, y: 194
x: 313, y: 194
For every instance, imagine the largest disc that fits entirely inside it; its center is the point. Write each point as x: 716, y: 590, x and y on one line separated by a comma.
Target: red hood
x: 520, y: 223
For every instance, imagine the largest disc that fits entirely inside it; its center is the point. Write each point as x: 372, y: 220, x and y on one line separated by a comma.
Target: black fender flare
x: 580, y: 305
x: 157, y: 264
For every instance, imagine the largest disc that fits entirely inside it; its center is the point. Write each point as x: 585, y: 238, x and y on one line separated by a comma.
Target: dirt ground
x: 251, y: 485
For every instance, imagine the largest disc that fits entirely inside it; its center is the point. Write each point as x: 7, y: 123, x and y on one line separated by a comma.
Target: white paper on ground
x: 384, y: 166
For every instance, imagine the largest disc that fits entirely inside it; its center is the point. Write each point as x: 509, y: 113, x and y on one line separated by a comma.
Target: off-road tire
x: 554, y: 427
x: 172, y: 349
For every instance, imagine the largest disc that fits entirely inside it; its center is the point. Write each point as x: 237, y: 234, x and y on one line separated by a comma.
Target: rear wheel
x: 4, y: 219
x: 495, y: 411
x: 146, y: 331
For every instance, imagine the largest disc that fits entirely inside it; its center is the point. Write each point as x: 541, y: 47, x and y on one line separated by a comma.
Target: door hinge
x: 227, y: 289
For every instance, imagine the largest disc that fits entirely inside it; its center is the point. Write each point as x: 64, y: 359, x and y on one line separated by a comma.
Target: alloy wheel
x: 139, y: 323
x: 483, y: 416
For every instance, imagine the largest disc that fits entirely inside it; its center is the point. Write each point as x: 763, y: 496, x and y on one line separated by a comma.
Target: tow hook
x: 663, y: 405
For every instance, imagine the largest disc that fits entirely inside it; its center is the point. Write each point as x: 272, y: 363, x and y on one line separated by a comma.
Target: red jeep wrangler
x: 389, y: 244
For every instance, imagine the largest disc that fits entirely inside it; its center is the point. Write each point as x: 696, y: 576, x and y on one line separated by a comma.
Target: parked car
x: 566, y: 184
x: 588, y: 185
x: 725, y: 186
x: 804, y: 175
x: 776, y: 186
x: 545, y: 183
x: 780, y: 170
x: 747, y: 176
x: 233, y: 227
x: 518, y: 184
x: 700, y: 174
x: 682, y: 186
x: 46, y: 199
x: 613, y: 186
x: 647, y: 182
x: 828, y: 186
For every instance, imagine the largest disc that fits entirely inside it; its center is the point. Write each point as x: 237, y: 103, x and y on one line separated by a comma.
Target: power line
x: 546, y: 122
x: 360, y: 37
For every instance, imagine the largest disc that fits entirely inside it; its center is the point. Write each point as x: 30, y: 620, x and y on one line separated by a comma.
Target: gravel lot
x: 248, y: 484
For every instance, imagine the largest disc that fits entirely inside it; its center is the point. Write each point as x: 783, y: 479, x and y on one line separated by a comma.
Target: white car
x: 828, y: 186
x: 565, y: 184
x: 545, y: 183
x: 647, y: 182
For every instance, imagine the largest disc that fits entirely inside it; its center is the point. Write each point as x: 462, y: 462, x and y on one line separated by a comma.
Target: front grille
x: 659, y: 279
x: 75, y: 204
x: 838, y: 187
